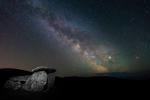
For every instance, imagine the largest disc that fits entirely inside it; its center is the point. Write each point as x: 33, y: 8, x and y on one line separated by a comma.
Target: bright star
x: 109, y: 57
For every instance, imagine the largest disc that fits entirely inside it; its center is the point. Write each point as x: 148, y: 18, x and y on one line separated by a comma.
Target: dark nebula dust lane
x: 76, y: 37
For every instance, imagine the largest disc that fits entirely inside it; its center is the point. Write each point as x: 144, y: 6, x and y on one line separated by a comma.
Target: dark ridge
x: 81, y: 87
x: 13, y: 72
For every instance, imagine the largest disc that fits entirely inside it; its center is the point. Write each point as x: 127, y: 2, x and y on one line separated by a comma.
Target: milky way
x: 77, y: 41
x: 78, y: 37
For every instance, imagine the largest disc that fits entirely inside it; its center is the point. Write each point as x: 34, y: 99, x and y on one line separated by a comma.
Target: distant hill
x: 127, y: 75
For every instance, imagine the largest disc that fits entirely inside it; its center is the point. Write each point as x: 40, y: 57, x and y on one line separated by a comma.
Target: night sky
x: 76, y: 37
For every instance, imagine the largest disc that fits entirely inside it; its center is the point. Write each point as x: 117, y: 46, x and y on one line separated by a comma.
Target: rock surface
x: 36, y: 82
x: 16, y: 83
x: 41, y: 79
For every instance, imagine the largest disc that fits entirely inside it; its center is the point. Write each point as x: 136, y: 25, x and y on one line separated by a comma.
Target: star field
x: 76, y: 37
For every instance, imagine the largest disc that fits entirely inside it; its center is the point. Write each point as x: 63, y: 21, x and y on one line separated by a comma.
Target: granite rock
x: 41, y: 79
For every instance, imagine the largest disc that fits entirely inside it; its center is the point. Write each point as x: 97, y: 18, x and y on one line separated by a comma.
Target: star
x: 109, y: 57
